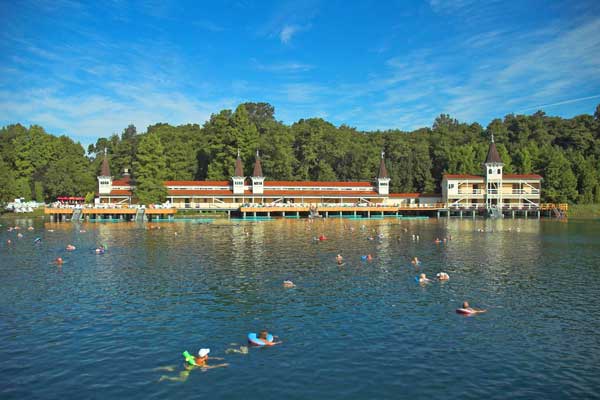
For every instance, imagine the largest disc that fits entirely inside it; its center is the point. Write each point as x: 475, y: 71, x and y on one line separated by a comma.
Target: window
x: 451, y: 186
x: 490, y: 171
x: 383, y: 184
x: 498, y: 171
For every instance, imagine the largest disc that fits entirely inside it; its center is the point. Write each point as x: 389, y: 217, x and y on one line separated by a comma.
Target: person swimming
x: 339, y: 259
x: 467, y: 309
x: 58, y: 261
x: 415, y: 261
x: 70, y: 247
x: 442, y: 276
x: 191, y: 363
x: 423, y: 279
x: 288, y: 284
x: 264, y: 337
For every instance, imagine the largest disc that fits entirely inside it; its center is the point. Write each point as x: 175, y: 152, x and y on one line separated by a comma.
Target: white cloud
x: 283, y: 67
x: 287, y: 32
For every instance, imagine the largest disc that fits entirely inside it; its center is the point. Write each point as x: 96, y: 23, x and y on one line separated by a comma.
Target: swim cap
x: 203, y: 352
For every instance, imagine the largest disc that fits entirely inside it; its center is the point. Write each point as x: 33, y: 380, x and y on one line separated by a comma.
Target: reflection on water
x: 111, y: 323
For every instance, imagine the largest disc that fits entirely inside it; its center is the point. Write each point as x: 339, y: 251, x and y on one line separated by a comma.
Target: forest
x: 35, y: 164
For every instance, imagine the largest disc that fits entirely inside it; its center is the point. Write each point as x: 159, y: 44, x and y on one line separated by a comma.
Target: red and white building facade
x: 240, y: 190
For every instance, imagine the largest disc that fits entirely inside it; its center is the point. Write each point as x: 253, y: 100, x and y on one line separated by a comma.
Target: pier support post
x: 355, y: 213
x: 369, y: 214
x: 268, y: 213
x: 244, y: 215
x: 255, y: 213
x: 298, y: 214
x: 229, y: 214
x: 538, y: 214
x: 473, y: 212
x: 460, y: 213
x: 513, y: 214
x: 283, y: 213
x: 526, y: 214
x: 438, y: 214
x: 326, y: 214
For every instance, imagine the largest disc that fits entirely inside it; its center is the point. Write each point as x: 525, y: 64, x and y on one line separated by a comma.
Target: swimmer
x: 19, y: 235
x: 50, y: 230
x: 322, y: 237
x: 30, y: 228
x: 264, y: 334
x: 423, y: 279
x: 191, y: 363
x: 369, y: 257
x: 82, y: 231
x: 241, y: 350
x: 437, y: 241
x: 9, y: 242
x: 58, y: 261
x: 415, y: 261
x: 442, y: 276
x: 70, y: 247
x: 470, y: 310
x: 339, y: 259
x: 288, y: 284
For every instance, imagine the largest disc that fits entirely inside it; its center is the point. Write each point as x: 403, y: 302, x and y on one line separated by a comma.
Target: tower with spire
x: 238, y: 177
x: 493, y: 176
x: 257, y: 177
x: 383, y: 179
x: 105, y: 179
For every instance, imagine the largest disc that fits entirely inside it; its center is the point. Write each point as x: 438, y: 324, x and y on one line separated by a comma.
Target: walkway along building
x: 493, y: 191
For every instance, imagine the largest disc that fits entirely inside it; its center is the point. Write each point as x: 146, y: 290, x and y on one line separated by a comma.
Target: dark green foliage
x: 566, y: 152
x: 150, y: 170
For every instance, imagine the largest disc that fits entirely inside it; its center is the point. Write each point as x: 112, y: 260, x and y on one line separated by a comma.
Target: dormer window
x: 490, y: 171
x: 498, y: 171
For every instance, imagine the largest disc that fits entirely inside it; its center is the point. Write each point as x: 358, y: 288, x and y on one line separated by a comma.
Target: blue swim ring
x: 254, y: 340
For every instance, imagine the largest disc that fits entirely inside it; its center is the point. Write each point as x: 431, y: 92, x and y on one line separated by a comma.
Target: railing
x: 472, y: 191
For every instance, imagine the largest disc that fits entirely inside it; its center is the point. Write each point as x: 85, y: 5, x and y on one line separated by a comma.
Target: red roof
x: 521, y: 176
x: 413, y: 195
x: 120, y: 193
x: 192, y: 192
x: 197, y: 183
x: 295, y: 193
x: 462, y: 176
x: 318, y: 184
x: 323, y: 193
x: 504, y: 176
x: 122, y: 182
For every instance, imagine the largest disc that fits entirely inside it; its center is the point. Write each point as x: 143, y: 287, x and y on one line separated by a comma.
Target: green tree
x: 149, y: 170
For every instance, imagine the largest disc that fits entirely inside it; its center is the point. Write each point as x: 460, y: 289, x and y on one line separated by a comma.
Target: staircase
x: 139, y: 214
x: 494, y: 212
x: 558, y: 213
x: 77, y: 215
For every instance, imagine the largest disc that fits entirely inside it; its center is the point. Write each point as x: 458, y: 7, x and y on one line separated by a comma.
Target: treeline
x: 566, y: 152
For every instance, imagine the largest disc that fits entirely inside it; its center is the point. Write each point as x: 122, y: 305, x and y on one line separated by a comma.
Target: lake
x: 112, y: 325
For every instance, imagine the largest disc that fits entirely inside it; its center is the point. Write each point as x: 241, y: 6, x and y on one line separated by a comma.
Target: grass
x: 584, y: 211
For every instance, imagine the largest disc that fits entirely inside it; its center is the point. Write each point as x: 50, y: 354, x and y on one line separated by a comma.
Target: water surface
x: 101, y: 325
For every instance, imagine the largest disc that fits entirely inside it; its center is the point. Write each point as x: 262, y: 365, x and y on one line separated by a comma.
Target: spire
x: 105, y: 170
x: 382, y: 169
x: 239, y: 168
x: 257, y: 166
x: 492, y: 156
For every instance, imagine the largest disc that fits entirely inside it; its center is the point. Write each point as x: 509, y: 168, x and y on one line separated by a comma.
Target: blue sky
x: 89, y: 69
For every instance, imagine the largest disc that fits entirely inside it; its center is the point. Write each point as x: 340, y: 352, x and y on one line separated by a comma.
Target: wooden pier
x: 109, y: 214
x: 298, y: 211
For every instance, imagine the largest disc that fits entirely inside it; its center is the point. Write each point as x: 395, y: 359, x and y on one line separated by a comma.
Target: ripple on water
x: 103, y: 324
